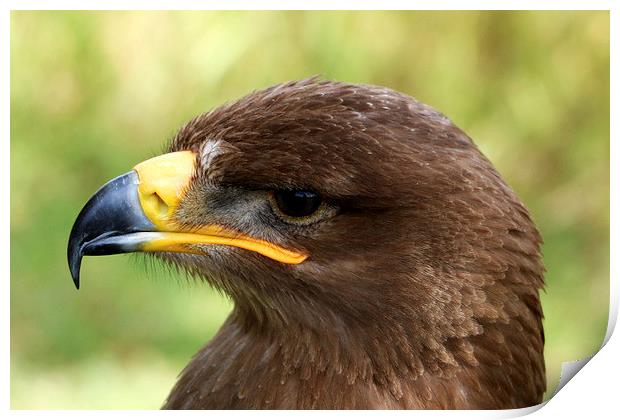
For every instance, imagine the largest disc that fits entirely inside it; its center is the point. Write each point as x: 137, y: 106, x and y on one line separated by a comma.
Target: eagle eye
x: 297, y: 203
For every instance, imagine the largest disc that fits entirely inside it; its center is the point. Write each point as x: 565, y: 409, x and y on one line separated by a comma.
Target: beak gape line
x: 134, y: 213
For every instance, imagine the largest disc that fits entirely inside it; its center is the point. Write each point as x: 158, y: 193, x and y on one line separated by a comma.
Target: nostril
x: 159, y: 205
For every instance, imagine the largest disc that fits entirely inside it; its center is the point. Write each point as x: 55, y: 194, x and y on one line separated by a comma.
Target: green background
x: 93, y: 93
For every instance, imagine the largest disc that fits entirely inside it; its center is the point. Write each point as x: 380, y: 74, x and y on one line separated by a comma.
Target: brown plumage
x: 386, y: 263
x: 422, y: 290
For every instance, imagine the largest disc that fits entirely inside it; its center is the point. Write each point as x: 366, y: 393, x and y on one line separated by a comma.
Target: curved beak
x: 135, y: 213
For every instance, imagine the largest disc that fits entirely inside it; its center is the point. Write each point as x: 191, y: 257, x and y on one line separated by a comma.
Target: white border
x: 315, y: 5
x: 5, y: 299
x: 594, y: 393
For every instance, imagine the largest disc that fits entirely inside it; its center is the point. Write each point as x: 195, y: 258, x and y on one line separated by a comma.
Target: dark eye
x: 297, y: 203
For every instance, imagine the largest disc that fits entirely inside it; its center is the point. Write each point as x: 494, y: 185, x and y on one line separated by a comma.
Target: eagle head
x: 374, y: 256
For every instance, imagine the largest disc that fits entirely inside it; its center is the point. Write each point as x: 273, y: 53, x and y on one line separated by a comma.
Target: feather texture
x: 422, y: 292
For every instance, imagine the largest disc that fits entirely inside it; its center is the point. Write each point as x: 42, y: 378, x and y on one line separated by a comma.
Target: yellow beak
x: 136, y: 212
x: 163, y: 181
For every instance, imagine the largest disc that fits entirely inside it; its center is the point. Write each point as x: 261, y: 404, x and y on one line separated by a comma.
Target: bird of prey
x: 374, y: 256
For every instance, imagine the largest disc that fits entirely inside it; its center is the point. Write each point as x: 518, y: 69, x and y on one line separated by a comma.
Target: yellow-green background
x: 93, y: 93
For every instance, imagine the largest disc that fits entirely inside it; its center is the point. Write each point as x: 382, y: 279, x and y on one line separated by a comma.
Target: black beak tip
x: 75, y: 261
x: 112, y: 211
x: 76, y: 278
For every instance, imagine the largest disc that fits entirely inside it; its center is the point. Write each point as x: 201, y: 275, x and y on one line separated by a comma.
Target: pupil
x: 297, y: 203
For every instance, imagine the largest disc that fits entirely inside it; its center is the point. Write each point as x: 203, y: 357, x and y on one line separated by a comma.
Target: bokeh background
x: 93, y: 93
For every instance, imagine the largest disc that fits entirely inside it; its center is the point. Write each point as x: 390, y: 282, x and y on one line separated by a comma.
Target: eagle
x: 374, y: 256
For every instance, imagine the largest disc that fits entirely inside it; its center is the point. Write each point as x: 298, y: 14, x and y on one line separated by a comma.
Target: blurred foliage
x: 93, y: 93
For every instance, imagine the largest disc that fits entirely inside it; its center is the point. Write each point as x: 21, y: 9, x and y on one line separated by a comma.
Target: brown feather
x: 423, y: 292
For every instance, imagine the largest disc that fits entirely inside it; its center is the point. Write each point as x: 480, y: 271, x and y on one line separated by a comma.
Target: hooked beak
x: 135, y: 213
